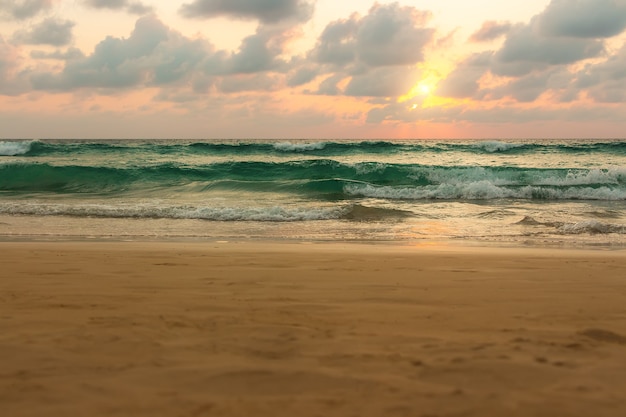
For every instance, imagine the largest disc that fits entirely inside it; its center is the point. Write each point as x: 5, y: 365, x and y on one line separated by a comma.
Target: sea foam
x: 299, y: 147
x: 592, y: 227
x: 11, y: 148
x: 483, y: 190
x: 494, y: 146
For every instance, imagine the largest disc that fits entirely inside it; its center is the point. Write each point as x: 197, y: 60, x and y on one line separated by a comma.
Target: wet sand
x: 270, y: 329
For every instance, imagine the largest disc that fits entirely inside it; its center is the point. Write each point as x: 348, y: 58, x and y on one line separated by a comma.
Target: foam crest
x: 588, y: 177
x: 149, y: 211
x: 483, y: 190
x: 11, y: 148
x: 299, y: 147
x: 494, y: 146
x: 592, y: 227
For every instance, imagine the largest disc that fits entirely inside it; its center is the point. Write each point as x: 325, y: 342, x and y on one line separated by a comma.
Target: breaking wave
x: 353, y: 212
x: 323, y: 179
x: 13, y: 148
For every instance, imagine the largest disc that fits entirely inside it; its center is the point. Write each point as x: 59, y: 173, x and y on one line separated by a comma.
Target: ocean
x: 532, y: 192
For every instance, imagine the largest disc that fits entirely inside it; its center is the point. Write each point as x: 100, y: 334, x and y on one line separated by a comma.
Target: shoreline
x: 246, y: 328
x: 425, y: 244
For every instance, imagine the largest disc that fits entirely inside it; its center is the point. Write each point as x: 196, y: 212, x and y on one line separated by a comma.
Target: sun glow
x: 424, y: 89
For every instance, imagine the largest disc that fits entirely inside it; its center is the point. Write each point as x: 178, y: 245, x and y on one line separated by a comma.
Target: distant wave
x: 318, y: 148
x: 299, y: 147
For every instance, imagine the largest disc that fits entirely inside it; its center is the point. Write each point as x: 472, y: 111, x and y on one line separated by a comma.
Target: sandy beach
x: 256, y: 329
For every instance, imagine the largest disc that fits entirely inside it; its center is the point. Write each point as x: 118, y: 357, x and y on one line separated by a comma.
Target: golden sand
x: 232, y: 329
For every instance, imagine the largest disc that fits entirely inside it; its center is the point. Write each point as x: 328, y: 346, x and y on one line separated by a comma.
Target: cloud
x: 24, y: 9
x: 156, y: 56
x: 249, y: 82
x: 583, y: 18
x: 530, y: 87
x: 490, y: 31
x: 265, y: 11
x: 566, y: 32
x: 463, y: 81
x: 133, y: 7
x: 605, y: 82
x: 387, y: 35
x: 11, y: 81
x: 526, y: 50
x: 257, y: 53
x: 51, y: 31
x: 330, y: 85
x: 376, y: 52
x: 490, y: 115
x: 107, y: 4
x: 138, y: 8
x: 152, y: 55
x: 393, y: 35
x: 336, y: 44
x: 302, y: 75
x: 69, y: 54
x: 535, y: 60
x: 382, y: 82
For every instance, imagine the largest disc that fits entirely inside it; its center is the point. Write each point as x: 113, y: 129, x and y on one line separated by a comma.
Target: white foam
x: 497, y: 146
x: 299, y: 147
x: 265, y: 214
x: 594, y: 176
x: 483, y: 190
x: 592, y: 227
x: 14, y: 148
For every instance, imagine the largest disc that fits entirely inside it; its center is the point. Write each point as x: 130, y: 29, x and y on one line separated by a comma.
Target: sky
x: 312, y: 69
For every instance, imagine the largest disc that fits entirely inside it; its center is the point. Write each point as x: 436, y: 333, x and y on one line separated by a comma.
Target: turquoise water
x: 513, y: 192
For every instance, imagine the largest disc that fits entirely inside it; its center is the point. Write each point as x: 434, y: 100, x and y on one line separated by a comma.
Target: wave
x: 13, y: 148
x: 591, y: 227
x: 494, y: 146
x: 485, y: 190
x: 299, y: 147
x: 351, y: 212
x: 316, y: 148
x: 577, y: 228
x: 322, y: 178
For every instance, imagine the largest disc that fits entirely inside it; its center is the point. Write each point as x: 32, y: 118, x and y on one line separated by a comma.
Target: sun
x: 424, y: 89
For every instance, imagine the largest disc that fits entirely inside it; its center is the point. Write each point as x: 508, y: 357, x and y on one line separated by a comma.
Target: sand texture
x: 228, y: 329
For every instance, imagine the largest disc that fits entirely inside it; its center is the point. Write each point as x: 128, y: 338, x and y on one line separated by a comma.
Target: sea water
x: 543, y: 192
